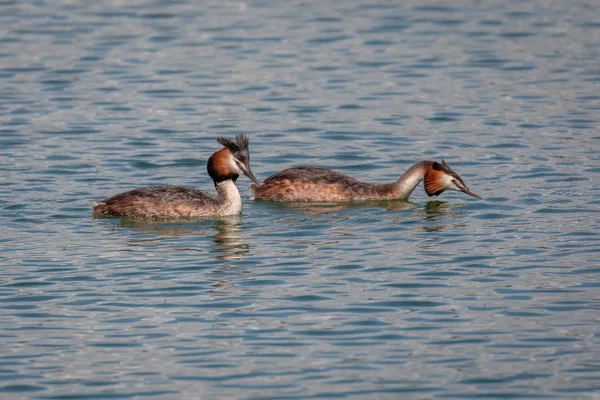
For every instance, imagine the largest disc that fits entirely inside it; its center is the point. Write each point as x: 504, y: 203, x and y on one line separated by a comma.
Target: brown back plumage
x: 155, y: 202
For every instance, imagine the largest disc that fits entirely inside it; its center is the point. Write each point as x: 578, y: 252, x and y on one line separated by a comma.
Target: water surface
x: 438, y: 298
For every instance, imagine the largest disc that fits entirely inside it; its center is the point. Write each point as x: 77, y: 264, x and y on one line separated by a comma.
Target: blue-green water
x: 451, y: 298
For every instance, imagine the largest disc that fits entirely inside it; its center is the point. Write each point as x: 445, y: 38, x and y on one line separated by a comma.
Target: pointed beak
x: 248, y: 172
x: 465, y: 189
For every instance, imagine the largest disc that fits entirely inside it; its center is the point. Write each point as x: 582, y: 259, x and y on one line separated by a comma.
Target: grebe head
x: 439, y: 177
x: 230, y: 162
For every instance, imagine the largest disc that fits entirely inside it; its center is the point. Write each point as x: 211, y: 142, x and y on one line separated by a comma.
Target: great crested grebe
x: 224, y: 167
x: 312, y: 184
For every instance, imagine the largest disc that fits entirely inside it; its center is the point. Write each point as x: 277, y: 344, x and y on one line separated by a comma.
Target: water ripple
x: 434, y: 298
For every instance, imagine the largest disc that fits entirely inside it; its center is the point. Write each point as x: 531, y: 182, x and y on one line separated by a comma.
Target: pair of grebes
x: 298, y: 184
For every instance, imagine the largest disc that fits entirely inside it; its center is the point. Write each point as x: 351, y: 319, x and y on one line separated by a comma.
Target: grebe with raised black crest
x: 224, y: 167
x: 313, y: 184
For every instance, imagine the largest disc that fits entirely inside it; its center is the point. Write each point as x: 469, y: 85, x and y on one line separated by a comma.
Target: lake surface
x: 436, y: 298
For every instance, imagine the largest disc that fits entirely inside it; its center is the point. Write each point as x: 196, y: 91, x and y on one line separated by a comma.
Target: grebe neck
x: 409, y: 180
x: 398, y: 190
x: 229, y: 196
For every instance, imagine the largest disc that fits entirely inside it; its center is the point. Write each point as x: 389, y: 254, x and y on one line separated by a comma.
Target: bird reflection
x: 434, y: 212
x: 323, y: 208
x: 225, y: 231
x: 229, y: 237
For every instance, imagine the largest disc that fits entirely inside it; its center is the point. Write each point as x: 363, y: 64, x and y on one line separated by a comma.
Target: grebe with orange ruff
x: 156, y: 202
x: 313, y: 184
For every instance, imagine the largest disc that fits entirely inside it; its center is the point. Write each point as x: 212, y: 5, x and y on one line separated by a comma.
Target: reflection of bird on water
x: 437, y: 211
x: 324, y: 207
x: 226, y: 231
x: 228, y: 236
x: 225, y: 244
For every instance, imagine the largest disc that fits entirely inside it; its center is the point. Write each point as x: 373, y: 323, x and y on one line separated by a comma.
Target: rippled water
x: 450, y: 298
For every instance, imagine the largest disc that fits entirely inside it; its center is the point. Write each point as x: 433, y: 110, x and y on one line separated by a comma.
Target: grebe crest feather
x: 231, y: 161
x: 439, y: 177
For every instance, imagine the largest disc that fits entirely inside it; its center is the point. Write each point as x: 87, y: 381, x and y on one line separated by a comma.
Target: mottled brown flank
x: 156, y: 202
x: 434, y: 182
x: 313, y: 184
x: 297, y: 190
x: 141, y: 208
